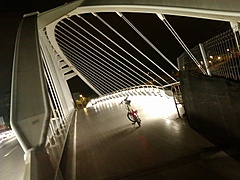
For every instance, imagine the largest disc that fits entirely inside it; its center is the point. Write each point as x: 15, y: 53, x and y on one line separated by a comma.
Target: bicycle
x: 132, y: 115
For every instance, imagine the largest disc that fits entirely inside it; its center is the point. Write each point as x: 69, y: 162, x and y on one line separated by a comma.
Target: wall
x: 212, y: 108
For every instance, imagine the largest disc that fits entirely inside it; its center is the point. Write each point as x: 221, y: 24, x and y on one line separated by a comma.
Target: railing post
x: 204, y: 58
x: 235, y: 27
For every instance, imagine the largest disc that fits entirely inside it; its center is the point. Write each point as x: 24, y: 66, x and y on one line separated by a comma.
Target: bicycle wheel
x: 138, y: 121
x: 130, y: 117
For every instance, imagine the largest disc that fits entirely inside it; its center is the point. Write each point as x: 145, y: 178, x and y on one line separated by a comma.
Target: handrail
x: 135, y: 90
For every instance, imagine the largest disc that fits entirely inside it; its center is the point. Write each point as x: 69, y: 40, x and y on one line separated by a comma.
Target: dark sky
x: 190, y: 30
x: 11, y: 13
x: 10, y: 16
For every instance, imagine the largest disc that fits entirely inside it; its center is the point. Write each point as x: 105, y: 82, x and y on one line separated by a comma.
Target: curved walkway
x: 110, y: 147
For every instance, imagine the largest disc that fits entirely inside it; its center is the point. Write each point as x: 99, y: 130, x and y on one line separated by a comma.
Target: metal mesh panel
x: 186, y: 62
x: 222, y: 53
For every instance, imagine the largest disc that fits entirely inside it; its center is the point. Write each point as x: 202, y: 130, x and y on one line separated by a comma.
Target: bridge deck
x: 110, y: 147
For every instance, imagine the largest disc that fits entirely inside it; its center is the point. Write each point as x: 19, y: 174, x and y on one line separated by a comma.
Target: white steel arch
x: 201, y: 9
x: 29, y: 115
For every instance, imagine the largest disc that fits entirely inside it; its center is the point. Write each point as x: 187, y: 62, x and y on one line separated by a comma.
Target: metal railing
x: 220, y: 56
x: 42, y: 107
x: 61, y: 103
x: 142, y: 90
x: 177, y: 96
x: 185, y: 62
x: 223, y: 55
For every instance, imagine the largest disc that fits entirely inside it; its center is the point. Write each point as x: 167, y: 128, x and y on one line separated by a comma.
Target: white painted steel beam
x: 51, y: 37
x: 62, y: 64
x: 224, y: 10
x: 52, y: 15
x: 201, y: 9
x: 66, y: 70
x: 69, y: 76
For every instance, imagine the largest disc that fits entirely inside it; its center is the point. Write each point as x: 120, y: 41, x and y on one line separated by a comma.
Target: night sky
x: 11, y: 13
x: 192, y: 31
x: 10, y: 16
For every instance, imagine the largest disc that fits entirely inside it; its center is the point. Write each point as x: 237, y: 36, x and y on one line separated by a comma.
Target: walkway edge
x: 74, y: 148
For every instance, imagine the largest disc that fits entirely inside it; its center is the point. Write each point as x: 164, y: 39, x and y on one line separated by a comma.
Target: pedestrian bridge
x: 106, y: 44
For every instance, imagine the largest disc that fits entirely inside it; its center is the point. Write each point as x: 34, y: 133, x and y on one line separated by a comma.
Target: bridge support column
x: 38, y: 165
x: 236, y: 27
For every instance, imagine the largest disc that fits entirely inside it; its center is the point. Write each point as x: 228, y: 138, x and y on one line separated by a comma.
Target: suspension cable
x: 168, y: 25
x: 89, y: 60
x: 124, y: 74
x: 93, y: 58
x: 91, y: 76
x: 111, y: 50
x: 115, y: 31
x: 144, y: 38
x: 122, y: 50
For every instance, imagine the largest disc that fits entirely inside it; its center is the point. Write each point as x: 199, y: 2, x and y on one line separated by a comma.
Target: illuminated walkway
x: 12, y: 164
x: 110, y: 147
